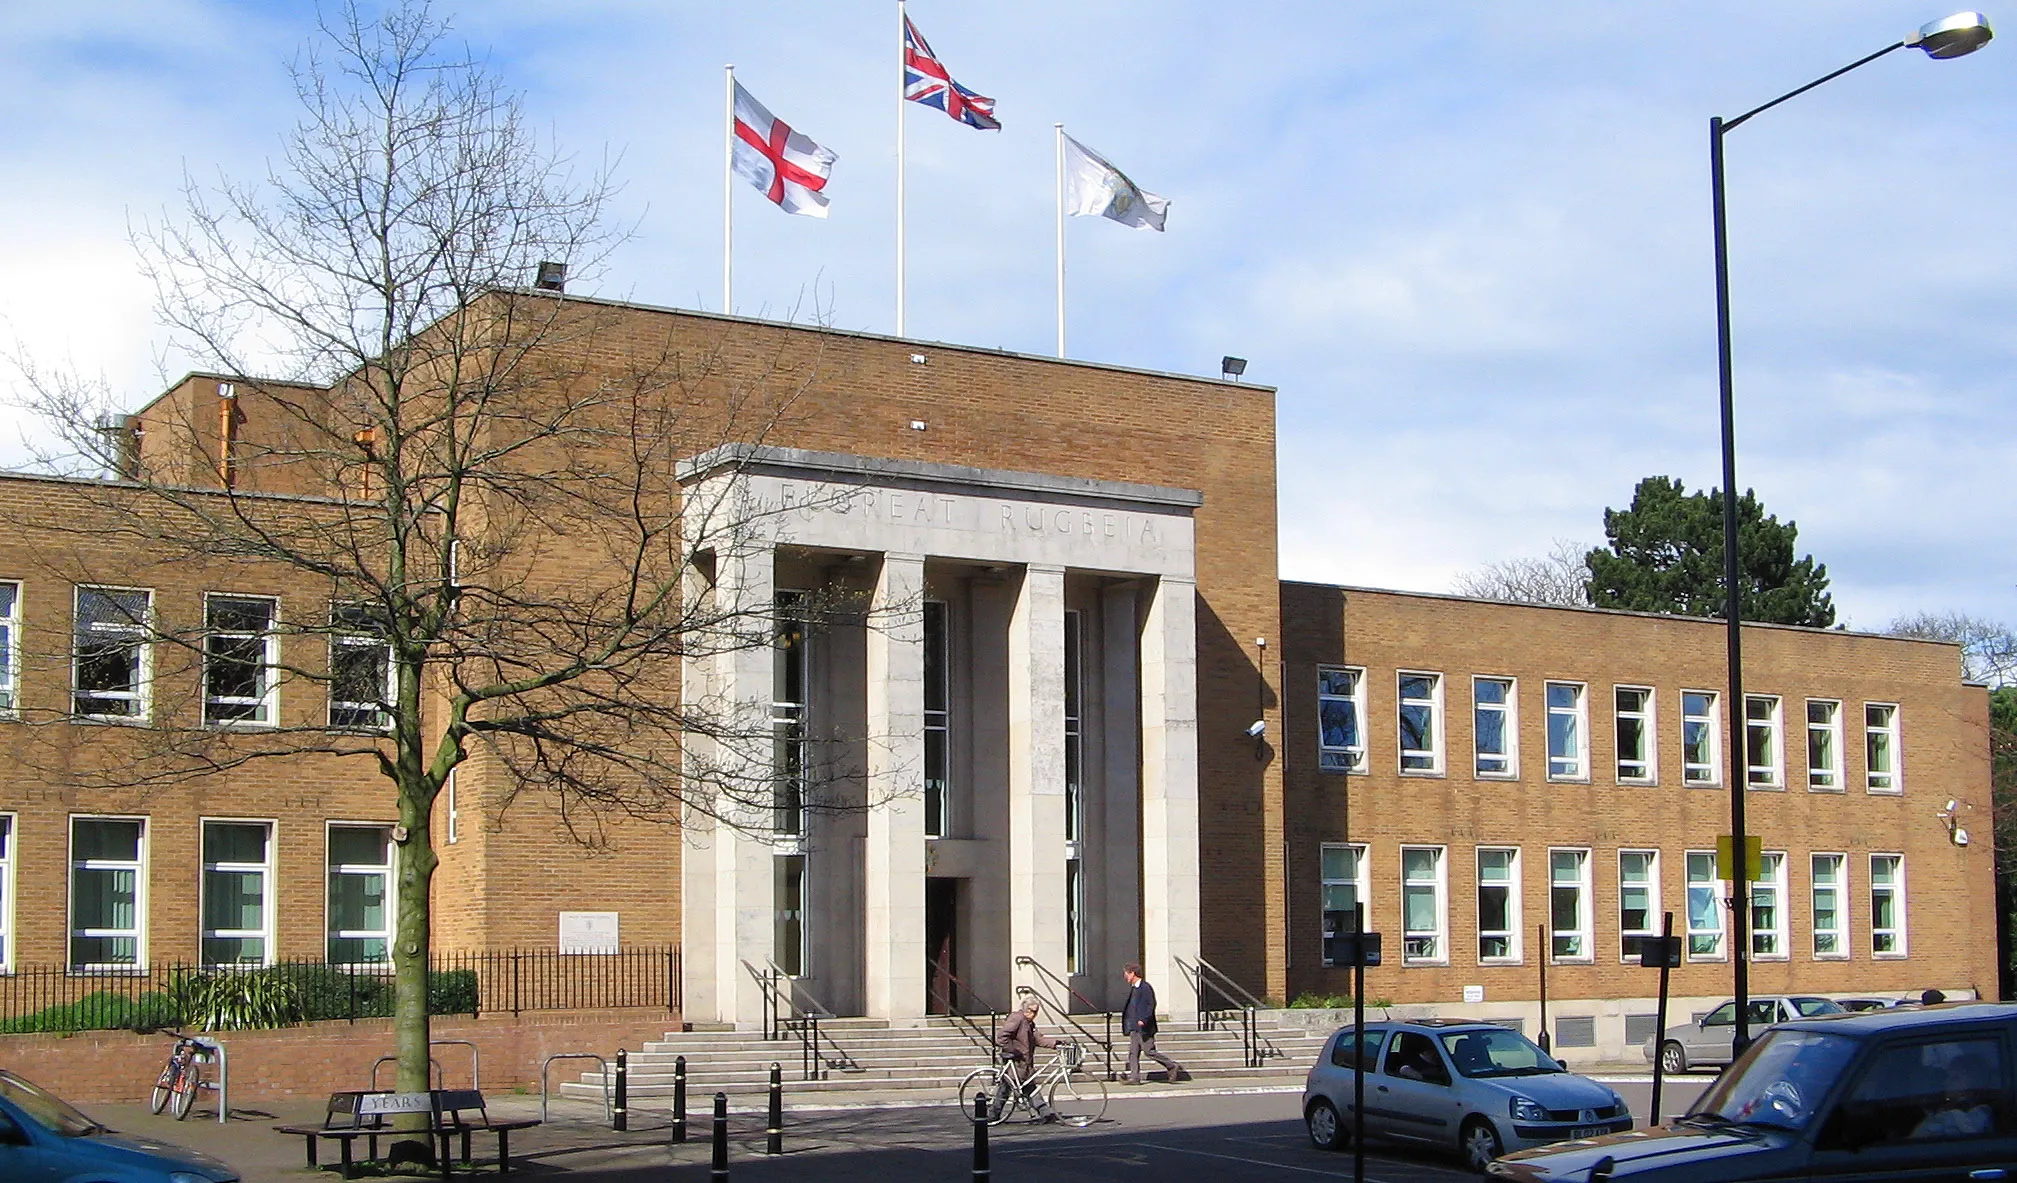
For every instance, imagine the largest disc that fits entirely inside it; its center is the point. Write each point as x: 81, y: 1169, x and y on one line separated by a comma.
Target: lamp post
x: 1960, y: 34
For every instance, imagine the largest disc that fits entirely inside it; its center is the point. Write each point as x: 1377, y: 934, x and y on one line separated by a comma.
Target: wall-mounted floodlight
x: 1232, y: 367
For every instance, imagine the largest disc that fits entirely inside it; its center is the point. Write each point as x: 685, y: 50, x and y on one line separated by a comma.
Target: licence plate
x: 1589, y: 1131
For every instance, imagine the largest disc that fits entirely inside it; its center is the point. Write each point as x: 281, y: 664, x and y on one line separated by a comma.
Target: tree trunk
x: 411, y: 1030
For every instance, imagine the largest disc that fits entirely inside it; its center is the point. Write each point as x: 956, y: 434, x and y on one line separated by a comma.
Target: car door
x: 1710, y: 1041
x: 22, y: 1160
x: 1415, y: 1100
x: 1352, y: 1051
x: 1924, y: 1110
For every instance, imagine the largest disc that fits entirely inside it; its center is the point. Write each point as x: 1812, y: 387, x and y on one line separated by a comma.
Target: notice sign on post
x: 588, y: 932
x: 1660, y: 952
x: 1726, y: 859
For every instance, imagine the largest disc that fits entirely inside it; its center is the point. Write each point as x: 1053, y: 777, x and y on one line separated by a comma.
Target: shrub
x: 103, y: 1011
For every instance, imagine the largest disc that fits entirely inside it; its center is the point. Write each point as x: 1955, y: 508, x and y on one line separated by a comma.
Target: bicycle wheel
x: 187, y: 1086
x: 989, y: 1083
x: 1079, y: 1099
x: 165, y: 1087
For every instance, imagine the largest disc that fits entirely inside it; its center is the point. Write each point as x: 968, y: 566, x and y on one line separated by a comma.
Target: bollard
x: 980, y: 1167
x: 720, y: 1168
x: 774, y: 1133
x: 619, y: 1118
x: 679, y: 1099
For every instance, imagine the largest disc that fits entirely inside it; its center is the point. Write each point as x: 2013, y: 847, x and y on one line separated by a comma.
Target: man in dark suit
x: 1139, y: 1017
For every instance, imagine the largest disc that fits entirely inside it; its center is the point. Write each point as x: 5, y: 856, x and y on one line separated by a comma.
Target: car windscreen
x: 47, y: 1109
x: 1778, y: 1082
x: 1496, y: 1051
x: 1819, y: 1006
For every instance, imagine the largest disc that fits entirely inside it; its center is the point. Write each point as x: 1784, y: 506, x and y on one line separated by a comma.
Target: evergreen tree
x: 1666, y: 555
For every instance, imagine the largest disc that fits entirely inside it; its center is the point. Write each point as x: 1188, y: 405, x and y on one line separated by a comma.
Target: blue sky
x: 1469, y: 242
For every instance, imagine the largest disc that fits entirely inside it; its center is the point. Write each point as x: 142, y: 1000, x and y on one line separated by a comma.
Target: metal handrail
x: 1254, y: 1050
x: 780, y: 995
x: 953, y: 1011
x: 1064, y: 1012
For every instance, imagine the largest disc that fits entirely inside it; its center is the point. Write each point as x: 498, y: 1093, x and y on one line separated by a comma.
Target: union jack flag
x: 926, y: 81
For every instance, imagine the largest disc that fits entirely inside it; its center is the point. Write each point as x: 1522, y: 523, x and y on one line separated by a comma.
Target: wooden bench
x: 450, y: 1113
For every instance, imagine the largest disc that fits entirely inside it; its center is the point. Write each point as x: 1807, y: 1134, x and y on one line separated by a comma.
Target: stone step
x: 867, y: 1081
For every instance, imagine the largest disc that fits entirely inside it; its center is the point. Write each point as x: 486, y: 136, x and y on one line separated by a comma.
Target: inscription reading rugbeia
x: 1026, y: 519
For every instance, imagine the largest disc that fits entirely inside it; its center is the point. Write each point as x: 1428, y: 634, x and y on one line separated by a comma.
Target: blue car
x: 43, y: 1139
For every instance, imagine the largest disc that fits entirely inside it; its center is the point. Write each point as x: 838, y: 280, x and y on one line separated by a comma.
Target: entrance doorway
x: 941, y: 945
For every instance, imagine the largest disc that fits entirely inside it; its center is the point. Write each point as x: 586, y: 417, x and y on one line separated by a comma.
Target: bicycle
x: 1078, y: 1099
x: 182, y: 1077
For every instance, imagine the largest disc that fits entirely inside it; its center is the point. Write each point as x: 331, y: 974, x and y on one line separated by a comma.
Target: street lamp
x: 1962, y: 33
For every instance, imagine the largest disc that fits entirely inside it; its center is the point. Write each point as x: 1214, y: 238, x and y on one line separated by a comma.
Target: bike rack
x: 438, y: 1075
x: 608, y: 1106
x: 475, y: 1078
x: 223, y: 1085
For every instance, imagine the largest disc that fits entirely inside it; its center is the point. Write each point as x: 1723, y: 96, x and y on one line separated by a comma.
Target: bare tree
x: 1561, y: 577
x: 491, y: 505
x: 1988, y: 647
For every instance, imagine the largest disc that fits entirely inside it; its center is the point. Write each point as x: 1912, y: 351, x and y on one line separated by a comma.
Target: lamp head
x: 1954, y: 36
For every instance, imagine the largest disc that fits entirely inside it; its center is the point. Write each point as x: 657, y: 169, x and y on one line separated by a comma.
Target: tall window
x: 1831, y: 921
x: 1421, y: 720
x: 1700, y: 764
x: 1705, y: 910
x: 1569, y: 903
x: 360, y: 669
x: 1824, y: 745
x: 1567, y: 751
x: 237, y: 893
x: 1074, y: 729
x: 1638, y: 900
x: 787, y: 713
x: 1075, y: 916
x: 1343, y: 871
x: 1341, y: 717
x: 360, y: 908
x: 110, y: 669
x: 1768, y: 907
x: 107, y: 892
x: 1880, y: 747
x: 1424, y: 912
x: 1634, y: 706
x: 1494, y: 726
x: 6, y: 892
x: 1764, y: 755
x: 1887, y: 905
x: 240, y: 650
x: 1498, y: 903
x: 938, y: 720
x: 789, y: 932
x: 10, y: 650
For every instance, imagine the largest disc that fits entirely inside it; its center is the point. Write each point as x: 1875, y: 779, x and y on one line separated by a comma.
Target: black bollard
x: 774, y: 1132
x: 720, y: 1169
x: 619, y: 1118
x: 980, y: 1167
x: 679, y: 1099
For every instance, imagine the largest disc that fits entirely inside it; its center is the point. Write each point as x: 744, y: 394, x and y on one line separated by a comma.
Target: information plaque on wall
x: 588, y: 932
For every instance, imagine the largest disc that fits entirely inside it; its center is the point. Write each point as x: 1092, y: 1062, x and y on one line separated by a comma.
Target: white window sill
x: 1701, y: 784
x: 1885, y: 792
x: 1568, y: 780
x: 1836, y: 789
x: 1426, y: 772
x: 1766, y: 787
x: 1831, y: 956
x: 1888, y: 956
x: 1640, y: 782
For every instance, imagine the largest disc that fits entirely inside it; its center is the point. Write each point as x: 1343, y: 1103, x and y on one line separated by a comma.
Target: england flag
x: 784, y: 164
x: 926, y: 81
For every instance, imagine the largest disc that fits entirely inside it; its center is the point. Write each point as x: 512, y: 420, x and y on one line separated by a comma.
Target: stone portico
x: 982, y: 697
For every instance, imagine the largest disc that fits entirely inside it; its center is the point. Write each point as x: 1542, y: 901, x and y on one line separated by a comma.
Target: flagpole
x: 1060, y: 129
x: 728, y: 195
x: 900, y: 67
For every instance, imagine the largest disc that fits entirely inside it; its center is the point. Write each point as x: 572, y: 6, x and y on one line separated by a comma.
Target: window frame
x: 10, y: 655
x: 937, y: 643
x: 204, y: 933
x: 780, y: 869
x: 1515, y: 951
x: 1649, y: 745
x: 1711, y: 724
x: 1438, y: 885
x: 347, y: 625
x: 789, y: 719
x: 1435, y: 752
x: 330, y: 868
x: 1713, y: 885
x: 1509, y: 728
x: 1895, y: 784
x: 1896, y: 890
x: 1352, y: 756
x: 1780, y: 931
x: 1360, y: 856
x: 1840, y: 890
x: 1579, y: 715
x: 266, y: 704
x: 141, y: 694
x: 1774, y: 725
x: 1584, y: 900
x: 10, y: 837
x: 1828, y: 779
x: 138, y: 865
x: 1627, y: 954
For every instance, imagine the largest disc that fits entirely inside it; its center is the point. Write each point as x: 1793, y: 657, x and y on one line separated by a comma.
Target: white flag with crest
x: 1092, y: 186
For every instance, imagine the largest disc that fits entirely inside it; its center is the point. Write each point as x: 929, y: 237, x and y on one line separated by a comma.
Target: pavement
x: 1249, y: 1133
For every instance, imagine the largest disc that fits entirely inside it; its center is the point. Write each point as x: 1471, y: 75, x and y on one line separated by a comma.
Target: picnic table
x: 369, y: 1114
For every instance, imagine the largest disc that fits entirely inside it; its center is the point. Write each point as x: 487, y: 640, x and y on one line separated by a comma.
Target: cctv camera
x: 1257, y: 728
x: 1952, y: 806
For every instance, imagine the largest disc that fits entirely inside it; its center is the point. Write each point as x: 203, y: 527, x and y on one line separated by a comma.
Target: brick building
x: 1045, y: 752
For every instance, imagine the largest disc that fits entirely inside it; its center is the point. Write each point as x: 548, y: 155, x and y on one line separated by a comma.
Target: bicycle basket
x: 1071, y: 1054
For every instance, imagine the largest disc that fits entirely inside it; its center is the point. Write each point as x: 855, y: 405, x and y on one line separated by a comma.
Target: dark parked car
x: 44, y: 1140
x: 1917, y: 1094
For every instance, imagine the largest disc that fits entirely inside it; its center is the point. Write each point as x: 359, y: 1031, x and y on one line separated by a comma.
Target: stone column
x: 895, y: 857
x: 1170, y: 791
x: 1036, y: 790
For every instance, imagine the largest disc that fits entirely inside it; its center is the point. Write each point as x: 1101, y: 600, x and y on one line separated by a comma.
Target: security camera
x: 1257, y: 728
x: 1952, y: 806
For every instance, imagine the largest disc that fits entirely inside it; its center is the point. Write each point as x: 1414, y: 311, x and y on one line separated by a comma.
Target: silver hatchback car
x: 1454, y: 1084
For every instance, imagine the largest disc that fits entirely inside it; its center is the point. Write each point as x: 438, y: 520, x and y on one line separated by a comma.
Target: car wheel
x: 1673, y: 1060
x: 1326, y: 1131
x: 1480, y: 1144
